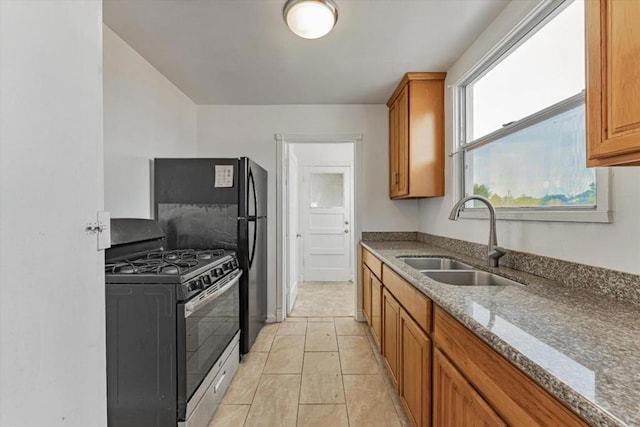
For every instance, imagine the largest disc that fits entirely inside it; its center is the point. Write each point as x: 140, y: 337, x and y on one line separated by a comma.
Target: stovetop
x: 172, y: 266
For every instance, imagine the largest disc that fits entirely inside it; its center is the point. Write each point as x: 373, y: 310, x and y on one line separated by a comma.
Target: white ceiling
x: 241, y: 52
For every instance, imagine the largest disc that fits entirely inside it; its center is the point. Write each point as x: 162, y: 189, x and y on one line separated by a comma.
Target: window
x: 521, y: 124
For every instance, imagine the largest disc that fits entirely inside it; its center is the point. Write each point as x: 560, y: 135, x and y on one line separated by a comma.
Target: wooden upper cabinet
x: 399, y: 145
x: 613, y: 82
x: 416, y: 137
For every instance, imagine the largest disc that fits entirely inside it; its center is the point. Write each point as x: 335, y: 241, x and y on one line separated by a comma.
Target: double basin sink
x: 452, y: 272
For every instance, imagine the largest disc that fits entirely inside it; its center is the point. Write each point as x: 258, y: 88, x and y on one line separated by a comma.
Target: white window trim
x: 542, y: 14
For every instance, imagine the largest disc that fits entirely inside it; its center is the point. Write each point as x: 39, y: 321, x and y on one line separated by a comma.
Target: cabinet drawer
x: 374, y: 264
x: 414, y: 302
x: 515, y: 397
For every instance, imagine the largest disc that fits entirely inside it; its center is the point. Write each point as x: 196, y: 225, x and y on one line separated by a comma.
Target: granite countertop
x: 581, y: 347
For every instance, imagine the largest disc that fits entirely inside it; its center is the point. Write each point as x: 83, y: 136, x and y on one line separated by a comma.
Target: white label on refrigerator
x: 224, y: 176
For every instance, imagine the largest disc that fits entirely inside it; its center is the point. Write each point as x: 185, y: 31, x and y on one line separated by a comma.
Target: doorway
x: 325, y: 223
x: 318, y: 192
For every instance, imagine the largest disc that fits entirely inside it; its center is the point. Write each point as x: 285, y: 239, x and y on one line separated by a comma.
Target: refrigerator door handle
x: 252, y: 183
x: 253, y: 245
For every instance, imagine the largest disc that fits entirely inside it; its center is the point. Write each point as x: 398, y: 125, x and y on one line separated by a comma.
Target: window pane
x: 327, y: 190
x: 540, y: 166
x: 544, y: 70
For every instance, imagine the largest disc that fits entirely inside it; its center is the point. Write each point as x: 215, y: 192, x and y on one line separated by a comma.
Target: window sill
x: 586, y: 215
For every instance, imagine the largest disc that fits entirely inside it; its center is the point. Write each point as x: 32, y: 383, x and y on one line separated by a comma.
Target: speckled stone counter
x: 581, y: 347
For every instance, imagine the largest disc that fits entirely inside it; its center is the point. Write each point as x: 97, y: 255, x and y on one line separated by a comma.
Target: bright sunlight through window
x: 523, y: 121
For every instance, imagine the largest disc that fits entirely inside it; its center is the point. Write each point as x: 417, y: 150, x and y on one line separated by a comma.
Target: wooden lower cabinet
x: 511, y: 393
x: 445, y: 375
x: 366, y: 293
x: 455, y: 401
x: 415, y: 371
x: 391, y: 334
x: 376, y: 310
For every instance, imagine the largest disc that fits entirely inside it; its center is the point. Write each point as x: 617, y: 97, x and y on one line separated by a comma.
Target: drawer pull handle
x: 217, y: 386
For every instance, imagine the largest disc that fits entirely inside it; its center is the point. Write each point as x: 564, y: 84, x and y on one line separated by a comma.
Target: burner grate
x: 186, y: 254
x: 151, y: 266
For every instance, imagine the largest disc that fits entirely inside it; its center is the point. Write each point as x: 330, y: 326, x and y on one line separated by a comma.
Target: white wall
x: 331, y: 154
x: 145, y: 116
x: 52, y: 313
x: 615, y: 246
x: 228, y: 131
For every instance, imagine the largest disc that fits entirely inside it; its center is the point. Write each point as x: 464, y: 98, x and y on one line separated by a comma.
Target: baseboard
x: 293, y: 294
x: 360, y: 316
x: 279, y: 317
x: 271, y: 318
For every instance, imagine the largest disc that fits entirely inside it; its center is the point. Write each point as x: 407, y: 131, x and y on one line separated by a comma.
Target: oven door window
x: 208, y: 332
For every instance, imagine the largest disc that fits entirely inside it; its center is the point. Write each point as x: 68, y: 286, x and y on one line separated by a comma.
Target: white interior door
x: 325, y: 218
x: 293, y: 232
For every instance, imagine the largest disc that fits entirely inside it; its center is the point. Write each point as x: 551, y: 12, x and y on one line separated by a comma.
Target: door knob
x: 346, y: 231
x: 298, y: 235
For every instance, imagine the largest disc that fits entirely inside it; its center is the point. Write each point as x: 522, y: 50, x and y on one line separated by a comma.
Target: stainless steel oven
x: 211, y: 321
x: 173, y: 328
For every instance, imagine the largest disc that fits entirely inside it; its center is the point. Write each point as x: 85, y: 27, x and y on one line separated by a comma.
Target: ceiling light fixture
x: 310, y: 19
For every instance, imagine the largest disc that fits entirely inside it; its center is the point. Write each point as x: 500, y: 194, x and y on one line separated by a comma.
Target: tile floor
x: 316, y: 371
x: 324, y: 299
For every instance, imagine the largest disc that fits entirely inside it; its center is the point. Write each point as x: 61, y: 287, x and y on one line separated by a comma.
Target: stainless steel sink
x: 434, y: 263
x: 469, y: 278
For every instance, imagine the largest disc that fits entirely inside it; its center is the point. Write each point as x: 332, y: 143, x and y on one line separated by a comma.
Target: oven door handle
x: 203, y: 298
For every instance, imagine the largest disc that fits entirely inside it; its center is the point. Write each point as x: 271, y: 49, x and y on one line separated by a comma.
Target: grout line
x: 301, y: 374
x: 392, y: 392
x: 344, y: 389
x: 244, y: 420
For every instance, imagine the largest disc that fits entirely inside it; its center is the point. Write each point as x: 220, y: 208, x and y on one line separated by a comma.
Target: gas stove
x: 173, y: 328
x: 194, y: 270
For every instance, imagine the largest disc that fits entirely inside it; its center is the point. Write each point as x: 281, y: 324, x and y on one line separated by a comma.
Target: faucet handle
x: 494, y: 256
x: 500, y: 250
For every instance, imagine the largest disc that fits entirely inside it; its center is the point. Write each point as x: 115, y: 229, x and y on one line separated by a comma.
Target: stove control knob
x: 206, y: 280
x: 193, y: 286
x: 219, y: 272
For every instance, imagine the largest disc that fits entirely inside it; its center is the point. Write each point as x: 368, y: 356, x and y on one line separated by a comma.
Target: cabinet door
x: 455, y: 401
x: 415, y: 371
x: 402, y: 149
x: 376, y: 310
x: 391, y: 333
x: 393, y: 149
x: 613, y: 82
x: 366, y: 293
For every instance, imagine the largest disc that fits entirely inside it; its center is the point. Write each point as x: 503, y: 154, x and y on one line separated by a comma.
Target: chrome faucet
x: 494, y: 252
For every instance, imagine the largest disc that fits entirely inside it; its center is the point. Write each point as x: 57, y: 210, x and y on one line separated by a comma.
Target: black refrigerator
x: 219, y: 204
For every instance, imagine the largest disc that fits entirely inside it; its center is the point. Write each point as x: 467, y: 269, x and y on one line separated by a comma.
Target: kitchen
x: 75, y: 142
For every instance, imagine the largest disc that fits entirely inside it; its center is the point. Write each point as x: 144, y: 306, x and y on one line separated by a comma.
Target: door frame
x: 292, y: 205
x: 283, y: 142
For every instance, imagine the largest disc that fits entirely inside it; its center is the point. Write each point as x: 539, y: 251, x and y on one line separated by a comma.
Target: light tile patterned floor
x: 315, y: 371
x: 324, y: 299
